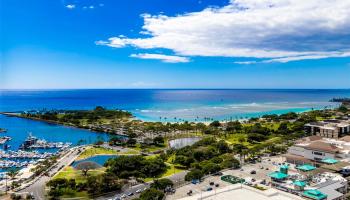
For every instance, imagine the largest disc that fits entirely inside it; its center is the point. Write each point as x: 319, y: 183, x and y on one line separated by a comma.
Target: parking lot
x: 261, y: 169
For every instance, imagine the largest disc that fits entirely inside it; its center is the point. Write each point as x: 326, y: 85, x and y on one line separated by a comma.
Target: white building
x: 331, y: 184
x: 329, y: 128
x: 315, y: 148
x: 238, y: 192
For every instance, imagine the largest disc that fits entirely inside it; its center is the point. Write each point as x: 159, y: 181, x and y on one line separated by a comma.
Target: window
x: 318, y: 153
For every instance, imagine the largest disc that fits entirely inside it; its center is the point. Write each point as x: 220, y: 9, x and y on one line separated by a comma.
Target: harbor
x: 27, y: 153
x: 4, y: 139
x: 33, y: 142
x: 26, y: 142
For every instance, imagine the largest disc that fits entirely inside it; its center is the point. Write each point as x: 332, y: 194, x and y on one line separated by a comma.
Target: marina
x: 18, y: 149
x: 32, y: 142
x: 4, y: 139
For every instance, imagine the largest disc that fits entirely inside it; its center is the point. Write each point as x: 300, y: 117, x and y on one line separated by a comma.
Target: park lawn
x: 129, y: 152
x: 236, y: 139
x: 81, y: 195
x: 150, y: 148
x: 92, y: 151
x: 172, y: 170
x: 273, y: 140
x: 71, y: 173
x: 273, y: 126
x: 151, y: 156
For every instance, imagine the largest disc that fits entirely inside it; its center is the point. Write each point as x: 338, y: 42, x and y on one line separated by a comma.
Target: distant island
x: 340, y: 100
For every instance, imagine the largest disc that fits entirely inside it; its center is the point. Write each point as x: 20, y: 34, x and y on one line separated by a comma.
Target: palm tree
x: 12, y: 173
x: 241, y: 150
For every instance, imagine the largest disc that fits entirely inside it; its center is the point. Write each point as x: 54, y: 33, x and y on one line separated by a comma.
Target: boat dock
x: 4, y: 139
x: 34, y: 143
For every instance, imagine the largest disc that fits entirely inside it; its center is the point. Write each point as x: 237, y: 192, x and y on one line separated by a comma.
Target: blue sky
x: 174, y: 44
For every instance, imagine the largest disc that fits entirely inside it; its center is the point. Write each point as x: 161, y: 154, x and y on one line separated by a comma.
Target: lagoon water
x: 99, y: 159
x: 18, y: 129
x: 182, y: 142
x: 175, y: 104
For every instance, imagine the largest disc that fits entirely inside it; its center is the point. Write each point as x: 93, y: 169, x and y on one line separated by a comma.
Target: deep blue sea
x: 175, y: 105
x: 151, y: 105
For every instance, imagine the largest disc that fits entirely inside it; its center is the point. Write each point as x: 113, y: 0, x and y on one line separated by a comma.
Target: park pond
x: 99, y: 159
x: 182, y: 142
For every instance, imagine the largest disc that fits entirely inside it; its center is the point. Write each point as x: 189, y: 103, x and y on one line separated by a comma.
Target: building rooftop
x: 306, y: 167
x: 243, y: 192
x: 330, y: 161
x: 315, y: 194
x: 278, y: 175
x: 323, y: 146
x: 299, y: 183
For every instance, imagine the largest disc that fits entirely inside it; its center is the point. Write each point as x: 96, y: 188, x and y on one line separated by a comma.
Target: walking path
x: 37, y: 186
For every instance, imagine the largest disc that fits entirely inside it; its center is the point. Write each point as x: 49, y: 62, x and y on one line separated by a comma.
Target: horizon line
x: 43, y: 89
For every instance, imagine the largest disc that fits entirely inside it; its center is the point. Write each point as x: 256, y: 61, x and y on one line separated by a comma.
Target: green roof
x: 299, y: 183
x: 278, y: 175
x: 284, y: 166
x: 315, y: 194
x: 306, y: 167
x: 330, y: 161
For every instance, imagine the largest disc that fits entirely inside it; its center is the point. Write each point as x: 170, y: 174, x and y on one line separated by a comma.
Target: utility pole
x: 5, y: 182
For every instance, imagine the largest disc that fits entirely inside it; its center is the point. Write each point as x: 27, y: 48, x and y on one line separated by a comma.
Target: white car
x: 138, y: 191
x: 123, y: 196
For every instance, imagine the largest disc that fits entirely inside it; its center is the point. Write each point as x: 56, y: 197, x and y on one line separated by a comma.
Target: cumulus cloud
x: 164, y: 58
x: 70, y: 6
x: 271, y: 30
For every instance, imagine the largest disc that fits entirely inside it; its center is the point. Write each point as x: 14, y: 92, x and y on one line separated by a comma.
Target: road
x: 38, y: 187
x: 175, y: 178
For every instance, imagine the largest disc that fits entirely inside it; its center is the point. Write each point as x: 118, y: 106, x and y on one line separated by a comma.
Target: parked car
x: 211, y: 183
x: 253, y: 172
x: 217, y: 185
x: 130, y: 194
x: 218, y: 174
x: 138, y: 191
x: 123, y: 196
x: 189, y: 193
x: 209, y: 189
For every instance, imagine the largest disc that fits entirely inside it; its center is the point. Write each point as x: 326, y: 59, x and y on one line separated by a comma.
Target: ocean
x: 176, y: 104
x: 150, y: 105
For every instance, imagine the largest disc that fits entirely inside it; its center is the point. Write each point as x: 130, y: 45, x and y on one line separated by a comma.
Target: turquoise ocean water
x: 151, y: 105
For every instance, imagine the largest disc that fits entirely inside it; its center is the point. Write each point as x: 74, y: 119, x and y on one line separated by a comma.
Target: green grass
x: 170, y: 171
x: 238, y: 138
x: 150, y: 148
x: 71, y: 173
x: 92, y: 151
x: 273, y: 126
x: 81, y: 195
x: 129, y: 152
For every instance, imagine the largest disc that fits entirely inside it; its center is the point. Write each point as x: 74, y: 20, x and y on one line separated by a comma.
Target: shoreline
x: 12, y: 114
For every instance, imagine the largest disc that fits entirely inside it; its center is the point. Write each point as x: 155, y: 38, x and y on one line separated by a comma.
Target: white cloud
x: 246, y: 62
x: 164, y: 58
x: 91, y: 7
x: 70, y: 6
x: 274, y: 30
